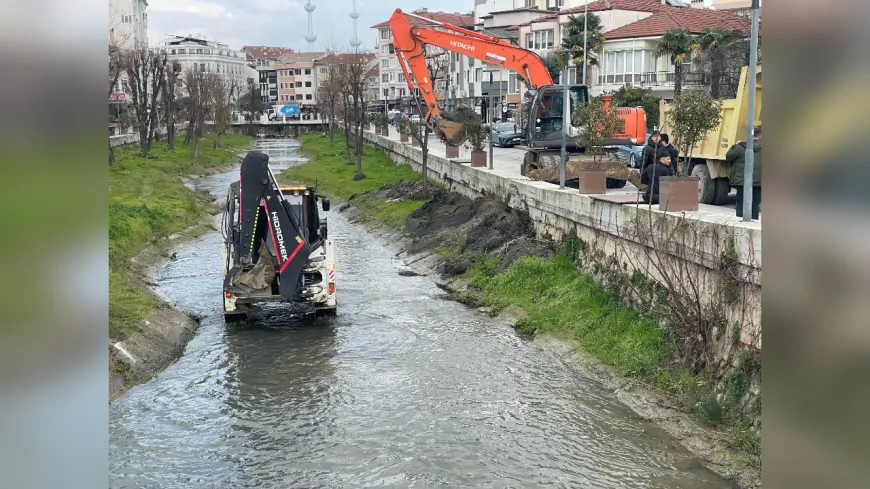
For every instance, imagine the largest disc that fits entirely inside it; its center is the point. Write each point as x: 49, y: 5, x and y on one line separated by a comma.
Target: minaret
x: 310, y: 37
x: 354, y: 40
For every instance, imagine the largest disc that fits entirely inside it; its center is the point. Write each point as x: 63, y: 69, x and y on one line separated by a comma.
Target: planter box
x: 415, y: 142
x: 478, y: 159
x: 403, y: 137
x: 385, y: 132
x: 452, y: 151
x: 677, y: 194
x: 592, y: 182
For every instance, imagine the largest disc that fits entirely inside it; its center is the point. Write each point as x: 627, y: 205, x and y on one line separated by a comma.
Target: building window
x: 392, y: 77
x: 386, y: 93
x: 401, y: 92
x: 323, y: 70
x: 385, y: 33
x: 298, y: 72
x: 401, y: 78
x: 392, y: 49
x: 540, y: 40
x: 307, y: 71
x: 126, y: 19
x: 308, y: 84
x: 202, y: 67
x: 298, y: 97
x: 308, y: 96
x: 385, y: 48
x: 385, y: 63
x: 385, y: 78
x: 298, y: 84
x: 626, y: 66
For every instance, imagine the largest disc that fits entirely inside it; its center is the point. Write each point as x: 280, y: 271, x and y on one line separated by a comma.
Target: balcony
x: 665, y: 78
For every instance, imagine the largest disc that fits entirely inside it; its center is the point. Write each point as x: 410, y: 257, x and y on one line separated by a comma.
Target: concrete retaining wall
x: 133, y: 138
x: 696, y: 241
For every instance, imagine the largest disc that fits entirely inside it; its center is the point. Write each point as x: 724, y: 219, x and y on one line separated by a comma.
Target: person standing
x: 672, y: 150
x: 650, y: 152
x: 736, y: 160
x: 651, y: 175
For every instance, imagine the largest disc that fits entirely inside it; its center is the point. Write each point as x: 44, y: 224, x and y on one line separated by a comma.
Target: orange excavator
x: 541, y: 121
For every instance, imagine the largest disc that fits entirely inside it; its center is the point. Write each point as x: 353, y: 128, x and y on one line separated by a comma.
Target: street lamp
x: 491, y: 114
x: 750, y: 119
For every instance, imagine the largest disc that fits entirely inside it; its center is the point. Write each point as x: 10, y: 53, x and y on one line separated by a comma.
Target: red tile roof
x: 695, y: 19
x: 265, y: 52
x: 461, y: 20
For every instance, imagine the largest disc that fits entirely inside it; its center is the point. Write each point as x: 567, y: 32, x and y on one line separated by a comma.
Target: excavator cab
x: 542, y: 122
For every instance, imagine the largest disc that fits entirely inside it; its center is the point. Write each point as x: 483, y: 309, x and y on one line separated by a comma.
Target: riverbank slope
x: 151, y: 211
x: 490, y: 257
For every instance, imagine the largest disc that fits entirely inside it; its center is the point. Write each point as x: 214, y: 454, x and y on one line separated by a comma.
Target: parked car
x: 631, y: 154
x: 506, y: 134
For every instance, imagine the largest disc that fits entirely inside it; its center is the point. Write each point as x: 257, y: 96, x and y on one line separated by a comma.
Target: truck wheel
x: 723, y: 188
x: 707, y: 187
x: 528, y: 163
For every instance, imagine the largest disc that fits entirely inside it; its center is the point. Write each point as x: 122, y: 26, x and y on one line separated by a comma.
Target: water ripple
x: 400, y: 390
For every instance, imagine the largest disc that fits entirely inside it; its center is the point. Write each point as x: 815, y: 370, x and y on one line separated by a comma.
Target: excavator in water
x: 542, y: 120
x: 276, y: 245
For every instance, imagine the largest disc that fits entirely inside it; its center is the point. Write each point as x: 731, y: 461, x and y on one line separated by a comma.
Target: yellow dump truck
x: 708, y: 156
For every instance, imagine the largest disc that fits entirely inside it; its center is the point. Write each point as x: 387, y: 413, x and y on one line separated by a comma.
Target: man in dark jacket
x: 650, y: 177
x: 672, y: 150
x: 650, y: 152
x: 736, y: 159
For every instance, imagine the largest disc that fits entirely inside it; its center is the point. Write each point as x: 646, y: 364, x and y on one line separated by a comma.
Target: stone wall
x: 706, y: 255
x: 133, y: 138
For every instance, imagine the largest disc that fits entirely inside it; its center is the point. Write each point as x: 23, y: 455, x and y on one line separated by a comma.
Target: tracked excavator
x: 277, y: 247
x: 541, y: 122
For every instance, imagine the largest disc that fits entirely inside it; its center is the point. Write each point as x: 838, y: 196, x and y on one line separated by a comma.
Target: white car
x: 415, y: 118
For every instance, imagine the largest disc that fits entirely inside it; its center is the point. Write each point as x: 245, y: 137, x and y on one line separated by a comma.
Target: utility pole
x: 489, y: 112
x: 564, y: 160
x: 585, y: 20
x: 750, y: 117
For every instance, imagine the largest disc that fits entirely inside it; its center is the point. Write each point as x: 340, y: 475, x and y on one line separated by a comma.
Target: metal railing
x: 659, y: 78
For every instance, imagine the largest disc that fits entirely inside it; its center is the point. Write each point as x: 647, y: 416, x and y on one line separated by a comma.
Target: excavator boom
x: 409, y: 40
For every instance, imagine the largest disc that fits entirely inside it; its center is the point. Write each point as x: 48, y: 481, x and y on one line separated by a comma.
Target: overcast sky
x: 280, y: 22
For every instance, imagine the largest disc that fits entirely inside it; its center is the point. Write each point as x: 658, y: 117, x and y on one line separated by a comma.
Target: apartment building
x: 393, y: 87
x: 297, y: 79
x: 323, y: 63
x: 628, y: 54
x: 128, y: 23
x: 263, y: 59
x: 211, y: 57
x: 469, y: 78
x: 742, y: 8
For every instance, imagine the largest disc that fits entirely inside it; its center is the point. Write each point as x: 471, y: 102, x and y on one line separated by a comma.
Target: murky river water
x: 401, y: 389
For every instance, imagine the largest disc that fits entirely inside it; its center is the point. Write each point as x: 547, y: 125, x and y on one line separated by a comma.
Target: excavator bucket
x: 453, y: 132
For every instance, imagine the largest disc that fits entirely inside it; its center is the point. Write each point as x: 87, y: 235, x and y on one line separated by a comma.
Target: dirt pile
x: 463, y: 230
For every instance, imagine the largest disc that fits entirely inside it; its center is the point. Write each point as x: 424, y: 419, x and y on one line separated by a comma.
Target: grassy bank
x: 557, y: 299
x: 148, y: 202
x: 328, y: 169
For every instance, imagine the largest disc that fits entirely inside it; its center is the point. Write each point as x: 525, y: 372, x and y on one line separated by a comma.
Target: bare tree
x: 170, y: 83
x: 329, y: 93
x: 356, y: 74
x: 198, y: 85
x: 145, y: 69
x: 223, y: 91
x: 116, y: 65
x: 436, y: 61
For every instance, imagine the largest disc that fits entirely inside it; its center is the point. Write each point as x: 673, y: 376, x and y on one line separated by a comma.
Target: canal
x: 401, y: 389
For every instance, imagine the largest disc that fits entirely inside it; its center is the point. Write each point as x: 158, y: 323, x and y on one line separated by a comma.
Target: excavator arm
x: 408, y: 42
x: 265, y: 214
